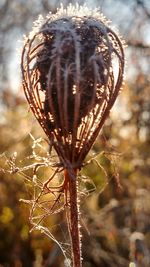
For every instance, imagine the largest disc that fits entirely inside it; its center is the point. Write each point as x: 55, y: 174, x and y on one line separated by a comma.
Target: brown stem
x: 73, y: 217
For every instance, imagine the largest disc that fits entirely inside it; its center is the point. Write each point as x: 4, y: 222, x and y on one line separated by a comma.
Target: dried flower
x: 72, y: 67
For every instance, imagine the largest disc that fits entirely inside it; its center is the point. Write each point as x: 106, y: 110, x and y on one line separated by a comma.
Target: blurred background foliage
x: 116, y: 202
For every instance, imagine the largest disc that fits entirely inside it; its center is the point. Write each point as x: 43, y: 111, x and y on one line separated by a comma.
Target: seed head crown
x: 72, y: 67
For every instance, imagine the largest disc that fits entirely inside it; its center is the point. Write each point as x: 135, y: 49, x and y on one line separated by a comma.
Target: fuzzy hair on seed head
x: 69, y: 11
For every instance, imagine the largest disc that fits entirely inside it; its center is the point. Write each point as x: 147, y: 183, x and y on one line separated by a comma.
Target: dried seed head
x: 72, y: 69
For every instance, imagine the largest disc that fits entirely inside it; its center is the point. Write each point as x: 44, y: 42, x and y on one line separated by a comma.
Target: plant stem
x: 73, y: 218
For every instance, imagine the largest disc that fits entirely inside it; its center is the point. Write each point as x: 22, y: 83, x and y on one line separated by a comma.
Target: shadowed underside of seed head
x: 72, y: 73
